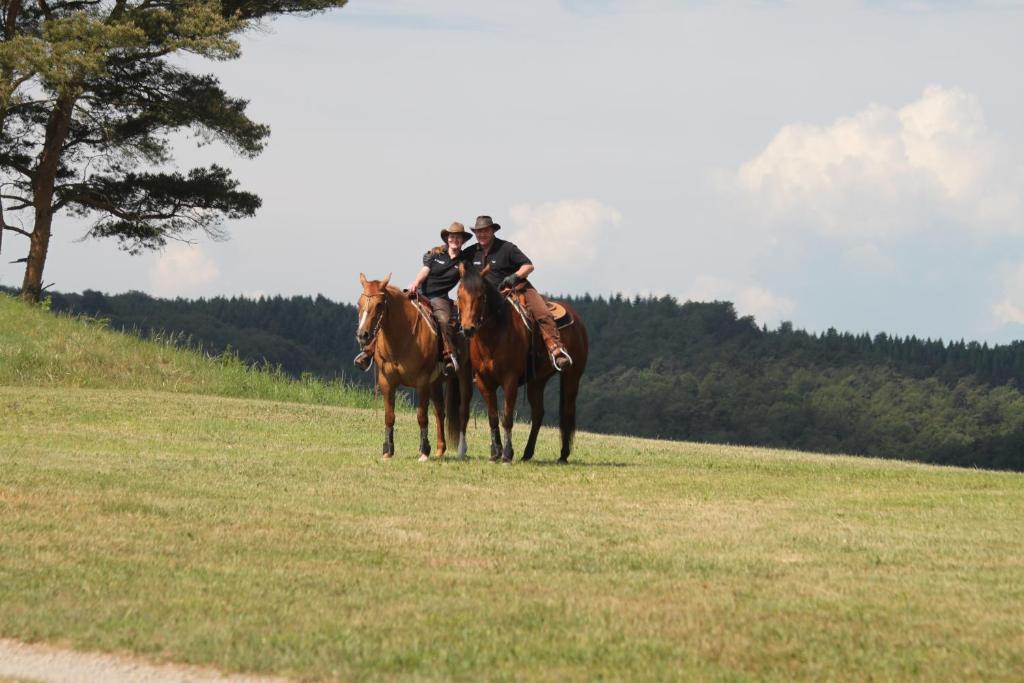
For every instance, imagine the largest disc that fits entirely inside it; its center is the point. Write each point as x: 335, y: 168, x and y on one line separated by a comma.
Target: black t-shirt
x: 504, y: 259
x: 444, y: 274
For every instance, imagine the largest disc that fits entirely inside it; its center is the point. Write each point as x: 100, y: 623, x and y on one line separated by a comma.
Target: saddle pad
x: 558, y: 312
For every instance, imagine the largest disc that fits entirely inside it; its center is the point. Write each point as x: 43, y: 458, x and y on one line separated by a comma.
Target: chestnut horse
x: 406, y: 354
x: 500, y: 349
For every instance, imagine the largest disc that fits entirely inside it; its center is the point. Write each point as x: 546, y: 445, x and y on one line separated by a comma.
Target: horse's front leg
x: 490, y: 395
x: 511, y: 388
x: 437, y: 397
x: 389, y: 417
x: 422, y: 399
x: 465, y: 383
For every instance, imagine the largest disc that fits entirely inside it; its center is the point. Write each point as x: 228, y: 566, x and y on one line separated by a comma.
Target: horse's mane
x: 475, y: 283
x: 396, y: 294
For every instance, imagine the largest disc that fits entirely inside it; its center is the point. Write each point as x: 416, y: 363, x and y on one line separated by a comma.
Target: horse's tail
x: 452, y: 416
x: 569, y: 385
x: 567, y: 413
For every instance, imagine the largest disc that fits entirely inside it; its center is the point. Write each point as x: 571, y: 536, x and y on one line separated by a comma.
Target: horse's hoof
x: 562, y: 461
x: 386, y: 456
x: 424, y: 457
x: 506, y: 461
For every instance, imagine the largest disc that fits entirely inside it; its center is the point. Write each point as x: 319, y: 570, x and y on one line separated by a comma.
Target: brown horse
x: 500, y: 350
x: 406, y: 354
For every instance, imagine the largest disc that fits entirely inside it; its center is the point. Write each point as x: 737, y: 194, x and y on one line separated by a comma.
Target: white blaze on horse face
x: 362, y: 320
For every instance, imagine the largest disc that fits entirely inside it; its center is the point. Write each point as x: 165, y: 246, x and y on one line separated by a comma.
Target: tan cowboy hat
x: 456, y: 228
x: 486, y: 222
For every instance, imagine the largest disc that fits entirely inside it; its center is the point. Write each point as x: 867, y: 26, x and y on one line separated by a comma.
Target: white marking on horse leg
x: 424, y: 458
x: 462, y: 445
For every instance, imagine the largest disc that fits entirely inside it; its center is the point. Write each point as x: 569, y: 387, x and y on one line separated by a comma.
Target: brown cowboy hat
x: 486, y: 222
x: 456, y: 228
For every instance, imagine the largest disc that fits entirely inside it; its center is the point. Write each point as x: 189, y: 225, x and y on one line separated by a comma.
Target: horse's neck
x: 399, y: 327
x: 506, y: 322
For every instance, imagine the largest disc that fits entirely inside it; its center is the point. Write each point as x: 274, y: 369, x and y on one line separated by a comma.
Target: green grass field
x: 267, y: 536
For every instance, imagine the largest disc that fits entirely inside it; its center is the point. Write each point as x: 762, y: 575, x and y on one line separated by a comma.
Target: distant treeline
x: 692, y: 371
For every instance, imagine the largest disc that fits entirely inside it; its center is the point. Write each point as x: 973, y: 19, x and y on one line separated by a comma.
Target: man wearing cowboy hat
x: 434, y: 280
x: 509, y: 269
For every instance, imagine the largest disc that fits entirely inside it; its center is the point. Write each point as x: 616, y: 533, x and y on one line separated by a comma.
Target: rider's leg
x: 548, y: 330
x: 441, y: 307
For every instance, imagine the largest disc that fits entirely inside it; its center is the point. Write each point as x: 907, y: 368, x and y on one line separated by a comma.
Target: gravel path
x: 22, y: 661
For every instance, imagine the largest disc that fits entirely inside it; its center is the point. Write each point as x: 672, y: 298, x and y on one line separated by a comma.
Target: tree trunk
x: 42, y: 195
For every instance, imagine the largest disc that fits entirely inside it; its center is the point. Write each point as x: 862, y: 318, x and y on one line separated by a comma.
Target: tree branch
x: 5, y: 226
x: 23, y: 203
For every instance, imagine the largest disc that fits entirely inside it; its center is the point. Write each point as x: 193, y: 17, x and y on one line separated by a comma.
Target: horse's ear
x: 462, y: 270
x: 384, y: 282
x: 487, y: 269
x: 362, y: 279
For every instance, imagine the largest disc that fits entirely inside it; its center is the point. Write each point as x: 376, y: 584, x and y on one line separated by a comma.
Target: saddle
x: 537, y: 355
x: 557, y: 311
x: 422, y: 304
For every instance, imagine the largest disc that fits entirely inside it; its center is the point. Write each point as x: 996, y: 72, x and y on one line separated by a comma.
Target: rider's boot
x: 450, y: 363
x: 560, y: 358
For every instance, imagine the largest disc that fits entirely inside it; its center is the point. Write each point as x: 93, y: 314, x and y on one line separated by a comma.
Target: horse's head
x: 472, y: 298
x: 373, y: 304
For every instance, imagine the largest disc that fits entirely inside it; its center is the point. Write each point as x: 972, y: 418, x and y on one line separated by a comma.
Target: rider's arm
x: 524, y: 266
x: 418, y: 280
x: 524, y: 271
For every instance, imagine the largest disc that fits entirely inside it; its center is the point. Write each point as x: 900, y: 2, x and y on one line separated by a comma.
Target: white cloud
x: 563, y: 233
x: 749, y: 299
x: 182, y: 270
x: 884, y: 171
x: 1011, y: 308
x: 868, y: 257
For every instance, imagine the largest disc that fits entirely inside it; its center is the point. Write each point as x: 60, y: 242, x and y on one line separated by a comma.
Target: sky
x: 847, y: 164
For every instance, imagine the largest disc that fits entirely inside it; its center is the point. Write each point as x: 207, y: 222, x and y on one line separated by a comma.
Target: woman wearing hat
x: 435, y: 279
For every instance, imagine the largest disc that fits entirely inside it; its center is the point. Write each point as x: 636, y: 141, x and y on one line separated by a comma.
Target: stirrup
x: 554, y: 358
x: 358, y: 361
x: 446, y: 358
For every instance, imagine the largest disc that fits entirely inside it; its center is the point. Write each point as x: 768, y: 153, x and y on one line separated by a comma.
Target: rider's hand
x: 410, y: 292
x: 510, y: 281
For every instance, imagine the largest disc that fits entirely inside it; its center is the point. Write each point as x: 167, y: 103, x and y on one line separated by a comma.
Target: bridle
x: 480, y: 319
x: 381, y: 310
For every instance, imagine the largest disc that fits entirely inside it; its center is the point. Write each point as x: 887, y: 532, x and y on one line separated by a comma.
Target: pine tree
x: 89, y: 99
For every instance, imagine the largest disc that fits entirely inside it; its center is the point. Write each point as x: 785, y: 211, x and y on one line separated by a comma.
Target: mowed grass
x: 268, y: 536
x: 264, y: 536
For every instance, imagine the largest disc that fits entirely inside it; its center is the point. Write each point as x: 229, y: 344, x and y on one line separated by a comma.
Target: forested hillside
x: 691, y: 371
